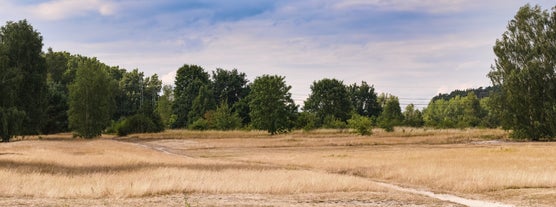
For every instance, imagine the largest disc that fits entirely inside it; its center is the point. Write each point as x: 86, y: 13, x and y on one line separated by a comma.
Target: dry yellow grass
x: 470, y: 162
x: 103, y: 168
x: 475, y: 163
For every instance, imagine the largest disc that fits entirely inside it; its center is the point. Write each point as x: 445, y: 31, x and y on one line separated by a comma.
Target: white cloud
x: 63, y: 9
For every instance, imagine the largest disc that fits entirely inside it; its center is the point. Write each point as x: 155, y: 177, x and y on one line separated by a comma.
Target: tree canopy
x: 329, y: 97
x: 364, y: 99
x: 272, y: 108
x: 189, y: 80
x: 524, y: 70
x: 91, y: 100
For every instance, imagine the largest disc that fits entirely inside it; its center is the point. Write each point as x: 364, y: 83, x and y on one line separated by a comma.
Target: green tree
x: 22, y: 49
x: 242, y: 109
x: 10, y: 122
x: 10, y: 116
x: 457, y: 112
x: 412, y: 116
x: 131, y: 87
x: 489, y: 118
x: 364, y: 99
x: 203, y: 103
x: 329, y: 97
x: 91, y: 98
x: 229, y: 86
x: 189, y: 79
x: 57, y: 108
x: 471, y: 111
x: 524, y: 71
x: 151, y: 87
x: 56, y: 65
x: 272, y: 107
x: 57, y: 96
x: 391, y: 114
x: 224, y: 118
x: 435, y: 113
x: 164, y: 106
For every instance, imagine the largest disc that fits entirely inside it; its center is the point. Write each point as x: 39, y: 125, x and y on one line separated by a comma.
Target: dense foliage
x: 23, y: 87
x: 329, y: 99
x: 524, y: 71
x: 91, y: 99
x: 187, y: 87
x: 479, y: 92
x: 272, y: 108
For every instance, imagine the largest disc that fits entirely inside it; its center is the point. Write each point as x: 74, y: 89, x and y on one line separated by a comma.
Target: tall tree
x: 203, y: 103
x: 22, y: 48
x: 91, y: 98
x: 412, y: 116
x: 56, y: 65
x: 272, y: 107
x: 57, y: 117
x: 189, y: 79
x: 229, y: 86
x: 364, y: 99
x: 131, y: 87
x: 56, y: 111
x: 152, y: 86
x: 391, y: 114
x: 10, y: 116
x: 329, y: 97
x: 525, y: 72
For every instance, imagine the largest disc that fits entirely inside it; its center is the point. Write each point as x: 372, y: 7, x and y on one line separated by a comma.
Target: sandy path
x: 445, y: 197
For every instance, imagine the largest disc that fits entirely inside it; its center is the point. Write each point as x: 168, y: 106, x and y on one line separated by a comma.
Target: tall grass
x: 103, y: 168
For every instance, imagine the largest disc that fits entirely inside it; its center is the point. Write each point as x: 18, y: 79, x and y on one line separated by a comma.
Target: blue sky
x: 413, y: 49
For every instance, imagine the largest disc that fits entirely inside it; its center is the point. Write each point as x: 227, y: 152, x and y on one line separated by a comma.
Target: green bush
x: 331, y: 122
x: 138, y: 123
x: 306, y: 121
x: 200, y: 124
x: 361, y: 124
x: 224, y: 119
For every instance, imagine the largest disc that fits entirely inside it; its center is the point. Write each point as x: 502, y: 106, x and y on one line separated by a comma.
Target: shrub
x: 361, y: 124
x: 200, y: 124
x: 306, y: 121
x: 331, y: 122
x: 224, y: 119
x: 138, y: 123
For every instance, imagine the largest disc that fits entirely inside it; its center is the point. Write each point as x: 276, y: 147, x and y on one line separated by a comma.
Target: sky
x: 413, y: 49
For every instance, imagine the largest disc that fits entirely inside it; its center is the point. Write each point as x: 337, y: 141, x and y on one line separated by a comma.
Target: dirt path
x: 443, y: 197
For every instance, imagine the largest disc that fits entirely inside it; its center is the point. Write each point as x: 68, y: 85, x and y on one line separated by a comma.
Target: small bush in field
x: 201, y: 124
x: 361, y: 124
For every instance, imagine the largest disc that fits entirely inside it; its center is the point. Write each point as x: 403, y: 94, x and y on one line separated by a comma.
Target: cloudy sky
x: 413, y: 49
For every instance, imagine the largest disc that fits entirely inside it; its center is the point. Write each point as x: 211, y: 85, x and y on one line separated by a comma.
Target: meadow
x: 240, y: 168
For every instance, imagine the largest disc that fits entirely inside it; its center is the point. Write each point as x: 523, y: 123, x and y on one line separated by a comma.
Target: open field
x: 321, y: 168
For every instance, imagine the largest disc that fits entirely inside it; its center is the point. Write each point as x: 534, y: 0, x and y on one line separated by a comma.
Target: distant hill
x: 479, y: 92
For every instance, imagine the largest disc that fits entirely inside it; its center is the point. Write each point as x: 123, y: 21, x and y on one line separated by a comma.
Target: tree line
x: 51, y: 92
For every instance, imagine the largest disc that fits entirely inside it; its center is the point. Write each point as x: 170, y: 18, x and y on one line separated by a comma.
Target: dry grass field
x: 238, y: 168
